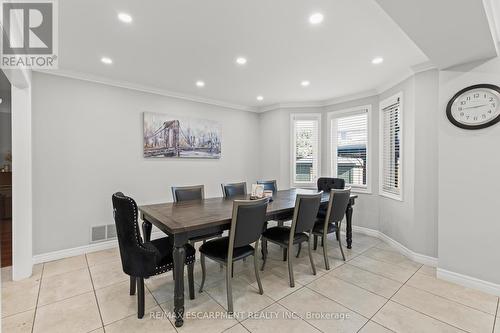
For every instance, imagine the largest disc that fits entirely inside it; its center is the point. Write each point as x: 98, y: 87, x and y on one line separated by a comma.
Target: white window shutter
x: 391, y: 149
x: 305, y: 149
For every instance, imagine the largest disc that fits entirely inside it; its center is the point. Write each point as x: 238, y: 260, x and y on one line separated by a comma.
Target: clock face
x: 475, y: 107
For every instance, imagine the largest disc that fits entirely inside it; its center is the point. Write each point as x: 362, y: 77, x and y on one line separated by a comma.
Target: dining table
x: 182, y: 221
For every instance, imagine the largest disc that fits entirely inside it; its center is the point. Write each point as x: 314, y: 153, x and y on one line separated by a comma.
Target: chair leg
x: 310, y: 253
x: 140, y: 297
x: 229, y: 287
x: 315, y: 242
x: 322, y: 242
x: 264, y: 253
x: 290, y: 267
x: 132, y: 285
x: 285, y: 250
x: 203, y: 271
x: 261, y: 291
x: 337, y: 234
x: 191, y: 280
x: 298, y: 251
x: 325, y: 253
x: 341, y: 249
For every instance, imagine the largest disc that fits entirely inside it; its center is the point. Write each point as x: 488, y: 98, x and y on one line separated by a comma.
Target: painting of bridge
x: 184, y: 137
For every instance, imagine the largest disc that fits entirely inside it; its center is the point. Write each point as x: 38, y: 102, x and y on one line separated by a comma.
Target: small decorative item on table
x: 268, y: 194
x: 257, y: 192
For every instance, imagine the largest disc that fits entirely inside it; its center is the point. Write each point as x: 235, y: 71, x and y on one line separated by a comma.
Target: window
x: 391, y: 147
x: 349, y: 133
x: 305, y: 149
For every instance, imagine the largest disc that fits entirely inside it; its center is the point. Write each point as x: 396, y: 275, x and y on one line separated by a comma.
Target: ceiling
x: 172, y: 44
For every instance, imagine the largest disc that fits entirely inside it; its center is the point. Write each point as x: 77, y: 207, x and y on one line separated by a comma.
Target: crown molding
x: 422, y: 67
x: 291, y: 105
x: 146, y: 89
x: 319, y: 104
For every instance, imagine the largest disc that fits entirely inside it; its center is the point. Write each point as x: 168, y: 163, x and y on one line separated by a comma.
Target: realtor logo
x: 29, y: 34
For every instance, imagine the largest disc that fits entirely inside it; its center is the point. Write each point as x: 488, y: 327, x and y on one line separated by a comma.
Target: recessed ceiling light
x: 124, y: 17
x: 377, y: 60
x: 241, y: 60
x: 305, y: 83
x: 316, y: 18
x: 107, y: 60
x: 200, y: 84
x: 260, y: 98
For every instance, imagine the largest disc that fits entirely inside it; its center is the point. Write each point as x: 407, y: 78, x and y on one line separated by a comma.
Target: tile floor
x: 376, y: 290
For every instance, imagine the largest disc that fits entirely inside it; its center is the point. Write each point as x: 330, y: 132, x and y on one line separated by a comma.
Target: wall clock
x: 475, y: 107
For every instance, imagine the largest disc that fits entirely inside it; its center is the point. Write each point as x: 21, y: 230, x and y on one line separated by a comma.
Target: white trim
x: 146, y: 89
x: 489, y: 9
x: 423, y: 67
x: 469, y: 281
x: 331, y: 165
x: 417, y: 257
x: 384, y: 103
x: 307, y: 116
x: 79, y: 250
x: 320, y: 104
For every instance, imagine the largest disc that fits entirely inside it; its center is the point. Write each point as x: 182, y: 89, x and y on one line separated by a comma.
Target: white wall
x: 469, y: 182
x: 87, y: 144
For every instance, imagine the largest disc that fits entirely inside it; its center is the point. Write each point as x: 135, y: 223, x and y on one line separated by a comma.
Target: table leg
x: 146, y: 230
x: 179, y: 254
x: 348, y: 228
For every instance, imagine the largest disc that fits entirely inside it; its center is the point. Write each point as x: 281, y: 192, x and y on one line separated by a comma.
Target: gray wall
x: 469, y: 182
x: 87, y: 144
x: 413, y: 221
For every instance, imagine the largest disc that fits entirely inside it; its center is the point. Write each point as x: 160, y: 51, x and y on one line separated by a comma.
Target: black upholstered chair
x: 141, y: 260
x: 269, y: 185
x: 325, y: 184
x: 231, y: 190
x: 247, y: 224
x: 304, y: 217
x: 337, y: 205
x: 187, y: 193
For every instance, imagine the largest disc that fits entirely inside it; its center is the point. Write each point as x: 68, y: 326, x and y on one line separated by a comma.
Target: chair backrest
x: 230, y: 190
x: 304, y: 214
x: 186, y: 193
x: 325, y: 184
x: 127, y: 230
x: 247, y: 224
x: 337, y: 205
x: 269, y: 185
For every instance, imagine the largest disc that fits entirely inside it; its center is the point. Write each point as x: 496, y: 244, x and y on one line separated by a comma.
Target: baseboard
x: 469, y: 281
x: 417, y: 257
x: 76, y: 251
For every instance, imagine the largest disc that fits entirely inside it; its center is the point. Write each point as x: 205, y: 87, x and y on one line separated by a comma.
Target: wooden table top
x: 200, y: 214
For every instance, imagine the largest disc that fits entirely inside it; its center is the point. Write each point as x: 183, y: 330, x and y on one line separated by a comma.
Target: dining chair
x: 247, y: 223
x: 230, y: 190
x: 337, y: 206
x: 325, y: 184
x: 304, y: 217
x: 188, y: 193
x: 141, y: 260
x: 269, y: 185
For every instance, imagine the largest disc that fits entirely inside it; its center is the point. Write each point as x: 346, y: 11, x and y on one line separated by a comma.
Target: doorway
x: 5, y: 172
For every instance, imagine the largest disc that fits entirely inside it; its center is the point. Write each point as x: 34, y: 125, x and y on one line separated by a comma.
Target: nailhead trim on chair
x: 159, y: 269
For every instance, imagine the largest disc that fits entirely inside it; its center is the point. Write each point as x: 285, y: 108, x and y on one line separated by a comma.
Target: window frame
x: 332, y: 158
x: 303, y: 116
x: 383, y: 104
